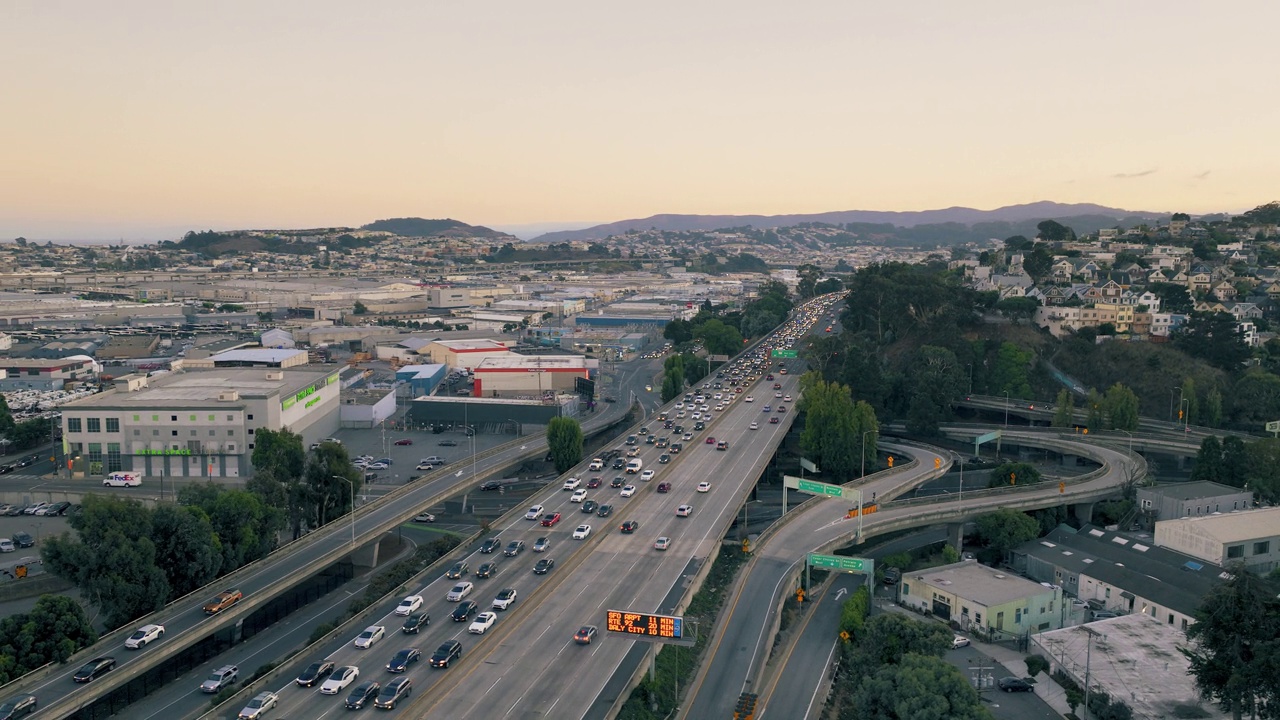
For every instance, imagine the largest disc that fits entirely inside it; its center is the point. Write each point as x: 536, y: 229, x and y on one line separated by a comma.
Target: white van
x: 634, y: 466
x: 122, y: 479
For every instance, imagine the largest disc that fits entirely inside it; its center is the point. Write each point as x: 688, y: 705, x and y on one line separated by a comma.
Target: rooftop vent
x: 228, y: 395
x: 275, y: 375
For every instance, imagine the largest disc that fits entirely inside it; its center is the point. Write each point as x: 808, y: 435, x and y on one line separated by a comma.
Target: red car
x: 773, y: 420
x: 769, y: 377
x: 404, y: 441
x: 777, y: 386
x: 594, y: 483
x: 711, y: 441
x: 550, y: 519
x: 664, y: 487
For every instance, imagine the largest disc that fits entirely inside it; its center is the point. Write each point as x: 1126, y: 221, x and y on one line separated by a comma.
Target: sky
x: 141, y: 120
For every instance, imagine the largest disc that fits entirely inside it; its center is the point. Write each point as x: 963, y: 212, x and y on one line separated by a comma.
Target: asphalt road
x: 518, y: 674
x: 795, y: 695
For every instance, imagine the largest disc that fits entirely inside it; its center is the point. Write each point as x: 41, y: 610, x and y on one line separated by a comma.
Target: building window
x: 155, y: 433
x: 155, y: 418
x: 113, y: 424
x: 113, y: 457
x: 192, y: 417
x: 174, y: 433
x: 193, y: 447
x: 137, y: 418
x: 95, y: 458
x: 212, y: 433
x: 1262, y: 548
x: 231, y: 447
x: 1108, y: 593
x: 93, y: 424
x: 77, y: 448
x: 906, y: 589
x: 250, y: 431
x: 173, y: 418
x: 211, y: 418
x: 250, y: 417
x: 73, y: 424
x: 231, y: 418
x: 1235, y: 551
x: 231, y: 433
x: 136, y: 432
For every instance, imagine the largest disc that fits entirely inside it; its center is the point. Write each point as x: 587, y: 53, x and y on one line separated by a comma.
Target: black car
x: 464, y: 611
x: 315, y: 672
x: 394, y: 692
x: 363, y: 693
x: 23, y: 540
x: 448, y: 443
x: 490, y: 485
x: 619, y: 463
x: 590, y: 506
x: 449, y: 651
x: 415, y: 623
x: 513, y: 548
x: 16, y: 707
x: 487, y: 570
x: 663, y: 459
x: 544, y: 566
x: 630, y: 526
x: 605, y: 511
x: 58, y: 508
x: 94, y: 668
x: 403, y: 660
x: 617, y: 482
x: 1013, y: 684
x: 490, y: 545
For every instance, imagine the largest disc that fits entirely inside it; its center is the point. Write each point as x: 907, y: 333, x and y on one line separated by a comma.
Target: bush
x: 320, y: 631
x: 1037, y: 664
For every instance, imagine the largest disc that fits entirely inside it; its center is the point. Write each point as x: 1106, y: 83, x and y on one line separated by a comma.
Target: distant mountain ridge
x: 1044, y: 210
x: 421, y: 227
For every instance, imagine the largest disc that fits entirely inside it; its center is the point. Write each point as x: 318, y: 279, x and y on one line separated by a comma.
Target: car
x: 773, y: 420
x: 650, y: 440
x: 424, y: 467
x: 633, y: 452
x: 590, y: 506
x: 393, y: 692
x: 628, y: 491
x: 222, y: 601
x: 94, y: 669
x: 513, y: 548
x: 58, y: 508
x: 376, y: 466
x: 581, y: 532
x: 371, y: 635
x: 618, y: 463
x: 447, y: 443
x: 631, y: 440
x: 315, y: 672
x: 434, y: 460
x: 786, y: 398
x: 662, y: 543
x: 490, y: 545
x: 403, y: 659
x: 766, y: 408
x: 711, y: 440
x: 458, y: 570
x: 18, y: 706
x: 959, y: 641
x: 617, y: 482
x: 664, y: 487
x: 778, y: 395
x: 541, y: 544
x: 483, y: 622
x: 749, y: 398
x: 361, y: 694
x: 447, y: 652
x: 596, y: 464
x: 504, y: 599
x: 662, y: 442
x: 409, y: 605
x: 630, y: 526
x: 534, y: 513
x: 404, y: 441
x: 644, y: 431
x: 782, y: 408
x: 487, y: 570
x: 578, y: 496
x: 339, y: 680
x: 722, y: 445
x: 491, y: 485
x: 676, y: 448
x: 424, y: 518
x: 1013, y: 684
x: 144, y: 635
x: 585, y: 635
x: 220, y: 678
x: 663, y: 459
x: 605, y: 511
x: 415, y: 623
x: 647, y: 475
x: 704, y: 487
x: 684, y: 511
x: 258, y: 706
x: 459, y: 592
x: 464, y: 611
x: 544, y: 566
x: 595, y: 482
x: 550, y: 519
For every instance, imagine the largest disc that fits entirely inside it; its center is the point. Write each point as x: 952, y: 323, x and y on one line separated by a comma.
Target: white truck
x: 634, y: 466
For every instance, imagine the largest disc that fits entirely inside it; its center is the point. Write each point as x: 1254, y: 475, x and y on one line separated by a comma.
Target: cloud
x: 1202, y: 175
x: 1126, y: 176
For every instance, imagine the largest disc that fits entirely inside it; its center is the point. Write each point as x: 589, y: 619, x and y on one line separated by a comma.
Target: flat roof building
x: 45, y: 374
x: 252, y: 357
x: 983, y: 599
x: 464, y: 353
x: 528, y: 376
x: 1248, y: 536
x: 1191, y: 499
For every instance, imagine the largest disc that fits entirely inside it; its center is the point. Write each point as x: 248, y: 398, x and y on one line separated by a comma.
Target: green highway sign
x: 844, y: 564
x: 779, y: 353
x: 818, y: 488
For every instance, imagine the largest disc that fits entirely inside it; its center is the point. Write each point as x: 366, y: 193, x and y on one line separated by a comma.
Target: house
x: 1248, y: 536
x: 978, y: 598
x: 1199, y: 282
x: 1190, y: 499
x: 1223, y: 290
x: 1165, y: 324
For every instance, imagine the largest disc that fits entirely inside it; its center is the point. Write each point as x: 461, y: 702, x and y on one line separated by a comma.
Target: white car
x: 371, y: 635
x: 786, y: 398
x: 6, y: 545
x: 504, y: 599
x: 258, y: 706
x: 755, y: 426
x: 778, y: 394
x: 959, y: 641
x: 582, y: 532
x: 424, y: 518
x: 749, y: 399
x: 572, y: 483
x: 684, y: 511
x: 534, y: 513
x: 662, y: 543
x: 628, y: 491
x: 459, y: 592
x: 578, y: 496
x: 697, y: 416
x: 647, y: 475
x: 409, y: 605
x: 144, y: 635
x: 340, y: 679
x: 483, y: 622
x: 376, y: 466
x: 424, y: 467
x: 596, y: 464
x: 704, y: 487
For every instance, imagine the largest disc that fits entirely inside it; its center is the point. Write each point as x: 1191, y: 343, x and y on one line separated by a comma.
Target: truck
x: 634, y: 466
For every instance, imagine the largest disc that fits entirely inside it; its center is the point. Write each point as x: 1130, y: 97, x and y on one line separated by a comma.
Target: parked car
x: 404, y: 441
x: 1013, y: 684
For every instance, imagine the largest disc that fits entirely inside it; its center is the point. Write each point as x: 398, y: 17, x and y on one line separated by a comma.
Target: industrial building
x: 251, y: 357
x: 45, y: 374
x: 195, y: 424
x: 366, y: 407
x: 464, y: 353
x: 1191, y: 499
x: 421, y: 379
x: 983, y: 599
x: 1249, y: 536
x: 528, y: 376
x: 488, y: 415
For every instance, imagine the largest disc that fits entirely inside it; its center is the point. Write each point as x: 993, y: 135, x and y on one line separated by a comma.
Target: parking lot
x: 456, y: 450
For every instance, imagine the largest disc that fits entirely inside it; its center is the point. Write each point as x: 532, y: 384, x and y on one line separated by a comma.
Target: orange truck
x: 222, y: 601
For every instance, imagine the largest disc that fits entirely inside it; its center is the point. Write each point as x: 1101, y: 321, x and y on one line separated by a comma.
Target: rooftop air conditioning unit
x: 275, y: 375
x: 228, y: 395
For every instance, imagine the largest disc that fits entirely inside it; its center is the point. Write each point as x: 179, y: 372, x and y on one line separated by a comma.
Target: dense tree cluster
x: 51, y: 632
x: 565, y: 442
x: 839, y: 435
x: 1234, y: 649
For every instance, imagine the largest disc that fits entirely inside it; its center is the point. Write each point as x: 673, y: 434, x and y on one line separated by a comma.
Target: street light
x: 351, y: 484
x: 1179, y: 389
x: 1126, y: 432
x: 862, y: 472
x: 1006, y: 408
x: 961, y: 498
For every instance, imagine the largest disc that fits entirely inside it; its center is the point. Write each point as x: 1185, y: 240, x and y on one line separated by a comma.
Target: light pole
x: 351, y: 484
x: 961, y: 498
x: 1126, y: 432
x: 1006, y: 408
x: 863, y: 471
x: 1186, y: 416
x: 1171, y: 401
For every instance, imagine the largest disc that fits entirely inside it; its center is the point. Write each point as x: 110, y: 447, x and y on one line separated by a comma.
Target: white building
x: 1248, y: 536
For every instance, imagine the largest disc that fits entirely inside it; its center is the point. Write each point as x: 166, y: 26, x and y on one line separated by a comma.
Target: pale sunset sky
x: 140, y: 120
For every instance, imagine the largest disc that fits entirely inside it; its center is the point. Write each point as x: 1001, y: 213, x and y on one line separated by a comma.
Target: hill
x: 421, y: 227
x: 1083, y: 217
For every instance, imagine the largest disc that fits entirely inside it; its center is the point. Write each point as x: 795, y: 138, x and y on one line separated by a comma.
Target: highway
x: 519, y: 662
x: 186, y: 622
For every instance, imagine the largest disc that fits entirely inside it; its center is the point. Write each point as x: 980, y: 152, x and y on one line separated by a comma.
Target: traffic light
x: 890, y: 461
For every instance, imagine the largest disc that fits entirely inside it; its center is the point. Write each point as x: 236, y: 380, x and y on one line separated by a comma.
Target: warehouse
x: 464, y: 353
x: 528, y: 376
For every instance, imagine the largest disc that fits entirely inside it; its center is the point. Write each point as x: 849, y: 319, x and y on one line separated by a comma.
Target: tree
x: 1174, y: 298
x: 1064, y: 410
x: 1214, y: 337
x: 1005, y: 529
x: 1095, y: 412
x: 1208, y: 466
x: 678, y: 331
x: 936, y: 379
x: 564, y: 437
x: 1235, y: 645
x: 853, y: 613
x: 280, y: 452
x: 187, y: 549
x: 1054, y: 231
x: 1014, y: 473
x: 831, y: 436
x: 1263, y: 469
x: 1018, y: 308
x: 1122, y: 408
x: 1213, y: 408
x: 822, y: 353
x: 1192, y: 414
x: 918, y: 688
x: 695, y: 367
x: 50, y: 633
x: 719, y: 338
x: 1234, y: 468
x: 828, y: 285
x: 246, y: 527
x: 1009, y: 372
x: 672, y: 378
